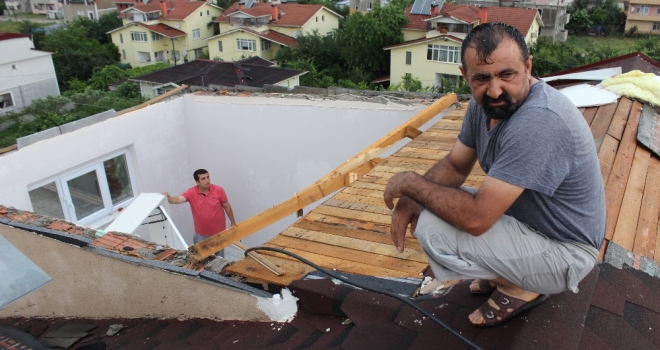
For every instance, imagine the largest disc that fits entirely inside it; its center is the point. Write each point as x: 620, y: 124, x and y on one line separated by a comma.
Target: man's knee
x: 434, y: 234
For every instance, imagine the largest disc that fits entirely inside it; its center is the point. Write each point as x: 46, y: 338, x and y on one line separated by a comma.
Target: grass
x: 13, y: 26
x: 22, y: 16
x: 589, y: 43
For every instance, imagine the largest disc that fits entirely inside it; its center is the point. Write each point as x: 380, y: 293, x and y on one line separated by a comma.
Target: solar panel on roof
x: 423, y: 7
x: 249, y: 3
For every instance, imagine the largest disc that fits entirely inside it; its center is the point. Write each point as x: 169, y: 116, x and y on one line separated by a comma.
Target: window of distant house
x: 369, y: 5
x: 89, y: 193
x: 265, y: 45
x: 246, y: 45
x: 121, y: 38
x: 220, y: 46
x: 90, y: 14
x: 656, y: 26
x: 657, y: 12
x: 139, y: 36
x: 208, y: 13
x: 408, y: 57
x: 196, y: 34
x: 317, y: 19
x: 6, y: 100
x: 13, y: 67
x: 643, y: 9
x: 442, y: 53
x: 322, y: 18
x: 156, y: 36
x: 201, y: 13
x: 123, y: 54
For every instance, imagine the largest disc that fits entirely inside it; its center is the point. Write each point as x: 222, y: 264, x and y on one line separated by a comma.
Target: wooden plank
x: 648, y: 216
x: 362, y: 192
x: 331, y: 263
x: 250, y: 268
x: 391, y: 138
x: 261, y: 259
x: 358, y: 244
x: 213, y: 244
x: 602, y: 122
x: 626, y: 225
x: 353, y: 214
x: 616, y: 183
x: 358, y: 233
x: 432, y: 144
x: 335, y: 220
x: 620, y: 118
x: 606, y: 156
x: 364, y: 207
x: 381, y: 261
x: 412, y: 133
x: 8, y: 149
x: 368, y: 186
x: 403, y: 159
x: 589, y: 114
x: 372, y: 201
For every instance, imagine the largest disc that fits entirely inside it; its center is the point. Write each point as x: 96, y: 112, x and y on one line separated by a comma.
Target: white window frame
x: 90, y: 15
x: 220, y: 45
x: 140, y: 54
x: 265, y: 45
x: 196, y: 34
x: 95, y: 219
x: 121, y: 38
x: 643, y: 9
x: 156, y: 36
x: 453, y: 53
x: 123, y: 53
x: 249, y: 44
x: 408, y: 58
x: 369, y: 6
x: 198, y: 52
x: 140, y: 37
x: 656, y: 26
x: 322, y: 18
x: 11, y: 97
x: 657, y: 11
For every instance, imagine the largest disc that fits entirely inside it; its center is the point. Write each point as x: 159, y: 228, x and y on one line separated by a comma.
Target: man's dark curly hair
x: 485, y: 38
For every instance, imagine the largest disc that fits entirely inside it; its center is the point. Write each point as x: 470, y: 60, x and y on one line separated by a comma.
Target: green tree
x: 223, y: 4
x: 362, y: 37
x: 552, y: 57
x: 650, y: 46
x: 102, y: 77
x: 37, y: 32
x: 320, y: 51
x: 76, y: 55
x: 98, y: 29
x: 580, y: 21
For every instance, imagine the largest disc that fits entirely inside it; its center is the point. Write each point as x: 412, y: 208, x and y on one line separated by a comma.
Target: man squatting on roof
x: 208, y: 203
x: 535, y: 225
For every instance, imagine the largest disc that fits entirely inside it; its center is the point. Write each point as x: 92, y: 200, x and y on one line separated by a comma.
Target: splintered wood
x: 350, y: 232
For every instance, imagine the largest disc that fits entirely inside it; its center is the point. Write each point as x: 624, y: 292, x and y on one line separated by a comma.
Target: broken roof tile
x: 365, y: 307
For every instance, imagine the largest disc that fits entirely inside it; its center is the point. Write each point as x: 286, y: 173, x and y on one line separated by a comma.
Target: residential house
x: 17, y: 6
x: 643, y: 14
x: 165, y: 31
x: 365, y: 5
x: 254, y: 72
x: 252, y: 28
x: 25, y: 75
x: 92, y: 9
x: 51, y: 8
x: 554, y: 13
x: 434, y: 34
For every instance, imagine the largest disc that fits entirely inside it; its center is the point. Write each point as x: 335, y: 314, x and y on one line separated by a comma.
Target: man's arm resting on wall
x: 175, y: 199
x: 230, y: 213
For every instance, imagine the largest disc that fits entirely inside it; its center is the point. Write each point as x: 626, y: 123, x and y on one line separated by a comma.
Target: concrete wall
x: 261, y: 150
x: 86, y: 284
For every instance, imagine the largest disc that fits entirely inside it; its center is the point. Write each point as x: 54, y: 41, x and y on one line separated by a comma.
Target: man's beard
x: 499, y: 112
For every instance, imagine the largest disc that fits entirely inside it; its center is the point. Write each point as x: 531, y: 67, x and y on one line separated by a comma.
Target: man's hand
x: 174, y: 200
x: 407, y: 210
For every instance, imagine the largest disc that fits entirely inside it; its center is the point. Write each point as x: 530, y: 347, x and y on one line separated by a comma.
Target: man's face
x: 501, y: 84
x: 204, y: 181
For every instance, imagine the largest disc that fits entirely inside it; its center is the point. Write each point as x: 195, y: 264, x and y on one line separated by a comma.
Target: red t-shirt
x: 207, y: 211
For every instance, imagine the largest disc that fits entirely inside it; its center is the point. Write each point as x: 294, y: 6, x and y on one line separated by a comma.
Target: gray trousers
x: 510, y: 249
x: 198, y: 238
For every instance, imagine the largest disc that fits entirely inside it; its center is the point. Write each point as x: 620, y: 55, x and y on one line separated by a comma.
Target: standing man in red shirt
x: 208, y: 203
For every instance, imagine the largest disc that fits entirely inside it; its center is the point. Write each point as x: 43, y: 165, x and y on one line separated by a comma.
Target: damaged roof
x: 202, y: 72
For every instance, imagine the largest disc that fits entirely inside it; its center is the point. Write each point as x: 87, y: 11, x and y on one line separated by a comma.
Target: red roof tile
x: 522, y: 19
x: 290, y: 15
x: 274, y: 36
x: 8, y: 36
x: 164, y: 30
x: 176, y: 10
x: 423, y: 40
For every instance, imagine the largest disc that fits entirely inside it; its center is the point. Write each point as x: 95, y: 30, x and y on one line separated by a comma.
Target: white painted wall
x: 261, y: 150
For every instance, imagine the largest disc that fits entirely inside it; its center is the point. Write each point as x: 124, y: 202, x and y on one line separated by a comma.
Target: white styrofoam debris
x: 279, y: 308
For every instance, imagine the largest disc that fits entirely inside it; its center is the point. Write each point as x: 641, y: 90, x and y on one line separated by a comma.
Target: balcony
x: 248, y: 22
x: 44, y: 2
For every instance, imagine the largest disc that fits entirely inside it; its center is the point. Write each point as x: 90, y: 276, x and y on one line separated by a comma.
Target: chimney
x: 434, y: 9
x: 241, y: 7
x: 483, y: 15
x: 163, y: 7
x: 274, y: 10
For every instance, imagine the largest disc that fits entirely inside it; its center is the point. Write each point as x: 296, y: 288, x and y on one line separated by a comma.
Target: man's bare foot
x: 477, y: 318
x: 480, y: 286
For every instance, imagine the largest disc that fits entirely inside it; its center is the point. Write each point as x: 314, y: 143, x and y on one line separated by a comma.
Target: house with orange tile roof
x: 433, y: 38
x: 253, y: 28
x: 164, y: 31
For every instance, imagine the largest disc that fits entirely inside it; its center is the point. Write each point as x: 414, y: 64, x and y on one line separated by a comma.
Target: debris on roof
x: 635, y: 84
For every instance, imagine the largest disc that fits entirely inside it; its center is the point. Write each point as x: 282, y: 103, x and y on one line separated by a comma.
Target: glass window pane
x: 45, y: 201
x: 119, y: 181
x: 85, y: 194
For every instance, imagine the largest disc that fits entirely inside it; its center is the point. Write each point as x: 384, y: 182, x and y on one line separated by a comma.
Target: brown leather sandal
x: 494, y: 317
x: 484, y: 288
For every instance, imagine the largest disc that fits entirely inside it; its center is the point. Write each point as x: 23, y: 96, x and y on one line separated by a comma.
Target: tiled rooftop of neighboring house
x: 204, y: 72
x: 9, y: 36
x: 290, y: 15
x: 176, y: 10
x: 522, y: 19
x: 163, y: 29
